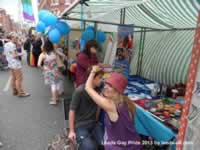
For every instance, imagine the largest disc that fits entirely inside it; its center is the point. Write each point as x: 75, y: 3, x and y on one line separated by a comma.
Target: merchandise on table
x: 140, y: 88
x: 166, y: 110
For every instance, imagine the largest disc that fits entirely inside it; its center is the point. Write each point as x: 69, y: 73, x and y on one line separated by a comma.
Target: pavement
x: 29, y: 123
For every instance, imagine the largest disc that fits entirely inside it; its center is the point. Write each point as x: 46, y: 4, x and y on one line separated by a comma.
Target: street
x: 29, y: 123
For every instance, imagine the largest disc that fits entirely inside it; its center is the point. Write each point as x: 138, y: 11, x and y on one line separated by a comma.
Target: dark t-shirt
x: 84, y: 107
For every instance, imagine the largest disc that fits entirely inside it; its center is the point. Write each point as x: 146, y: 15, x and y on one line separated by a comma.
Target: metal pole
x: 124, y: 15
x: 162, y: 30
x: 110, y: 23
x: 82, y: 24
x: 95, y: 31
x: 121, y: 14
x: 142, y: 52
x: 138, y: 62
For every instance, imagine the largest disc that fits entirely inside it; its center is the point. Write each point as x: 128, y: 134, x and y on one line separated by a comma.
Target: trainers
x: 24, y: 95
x: 53, y: 103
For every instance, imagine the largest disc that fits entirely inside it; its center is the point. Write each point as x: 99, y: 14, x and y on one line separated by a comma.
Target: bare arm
x: 41, y: 58
x: 71, y: 120
x: 15, y: 54
x: 98, y: 99
x: 106, y: 104
x: 61, y: 54
x: 72, y: 134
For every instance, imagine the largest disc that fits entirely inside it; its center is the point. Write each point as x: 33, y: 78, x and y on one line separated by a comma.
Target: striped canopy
x: 160, y: 14
x: 167, y: 54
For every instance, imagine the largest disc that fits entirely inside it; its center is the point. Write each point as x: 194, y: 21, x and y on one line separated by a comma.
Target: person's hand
x: 95, y: 69
x: 72, y: 136
x: 104, y: 65
x: 46, y: 69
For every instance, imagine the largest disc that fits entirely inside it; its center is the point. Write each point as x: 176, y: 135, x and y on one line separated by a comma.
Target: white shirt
x: 13, y: 63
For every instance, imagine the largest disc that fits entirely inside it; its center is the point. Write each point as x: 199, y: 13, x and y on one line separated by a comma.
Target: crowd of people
x: 89, y: 102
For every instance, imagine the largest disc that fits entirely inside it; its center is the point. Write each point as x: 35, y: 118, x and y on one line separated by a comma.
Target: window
x: 54, y: 2
x: 68, y: 2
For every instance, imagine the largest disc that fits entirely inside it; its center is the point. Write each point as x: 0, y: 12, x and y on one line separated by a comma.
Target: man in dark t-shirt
x: 83, y: 118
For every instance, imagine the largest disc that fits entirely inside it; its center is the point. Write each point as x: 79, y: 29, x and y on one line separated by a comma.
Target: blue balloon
x: 101, y: 37
x: 54, y: 36
x: 42, y: 13
x: 40, y: 26
x: 90, y: 28
x: 82, y: 44
x: 50, y: 19
x: 63, y: 27
x: 87, y: 35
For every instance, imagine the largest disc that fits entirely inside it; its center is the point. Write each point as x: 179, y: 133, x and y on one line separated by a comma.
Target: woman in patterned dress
x: 52, y: 76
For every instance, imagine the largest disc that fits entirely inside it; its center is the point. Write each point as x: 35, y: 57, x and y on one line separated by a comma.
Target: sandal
x: 24, y: 95
x: 53, y: 102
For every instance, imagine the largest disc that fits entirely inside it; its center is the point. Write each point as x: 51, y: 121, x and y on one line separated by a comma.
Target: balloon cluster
x: 49, y: 24
x: 88, y: 34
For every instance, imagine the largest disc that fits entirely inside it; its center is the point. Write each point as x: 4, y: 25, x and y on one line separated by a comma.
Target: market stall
x: 169, y: 104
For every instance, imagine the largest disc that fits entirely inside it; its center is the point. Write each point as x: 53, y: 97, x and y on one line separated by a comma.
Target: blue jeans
x: 89, y: 138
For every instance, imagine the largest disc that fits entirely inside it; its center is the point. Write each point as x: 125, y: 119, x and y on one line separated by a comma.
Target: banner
x: 28, y: 10
x: 124, y: 49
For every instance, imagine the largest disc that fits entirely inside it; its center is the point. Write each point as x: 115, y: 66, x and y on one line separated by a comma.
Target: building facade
x: 7, y: 24
x: 55, y: 6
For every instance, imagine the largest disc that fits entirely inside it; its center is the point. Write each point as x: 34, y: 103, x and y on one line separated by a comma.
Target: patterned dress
x: 53, y: 75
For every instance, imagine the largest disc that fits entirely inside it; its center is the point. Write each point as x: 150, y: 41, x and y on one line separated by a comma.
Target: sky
x: 12, y: 8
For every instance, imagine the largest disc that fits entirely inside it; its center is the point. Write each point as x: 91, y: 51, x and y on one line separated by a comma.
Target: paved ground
x: 29, y: 123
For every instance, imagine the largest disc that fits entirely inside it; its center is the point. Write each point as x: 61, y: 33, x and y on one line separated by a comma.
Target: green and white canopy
x: 167, y: 54
x: 160, y: 14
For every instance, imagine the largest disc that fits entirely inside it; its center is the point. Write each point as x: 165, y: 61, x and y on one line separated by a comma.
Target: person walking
x: 52, y: 75
x: 15, y: 66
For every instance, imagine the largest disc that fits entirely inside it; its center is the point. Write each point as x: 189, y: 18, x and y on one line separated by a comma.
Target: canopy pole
x: 194, y: 62
x: 142, y: 51
x: 139, y: 53
x: 162, y: 30
x: 122, y: 15
x: 110, y: 23
x: 82, y: 24
x: 95, y: 30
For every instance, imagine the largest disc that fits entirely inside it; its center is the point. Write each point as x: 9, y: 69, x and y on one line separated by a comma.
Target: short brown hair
x: 98, y: 73
x: 89, y: 45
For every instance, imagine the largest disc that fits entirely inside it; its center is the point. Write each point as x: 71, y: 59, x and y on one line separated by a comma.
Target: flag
x: 32, y: 60
x: 28, y: 10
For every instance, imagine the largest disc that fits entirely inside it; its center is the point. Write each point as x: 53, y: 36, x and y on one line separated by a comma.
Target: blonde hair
x: 121, y: 99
